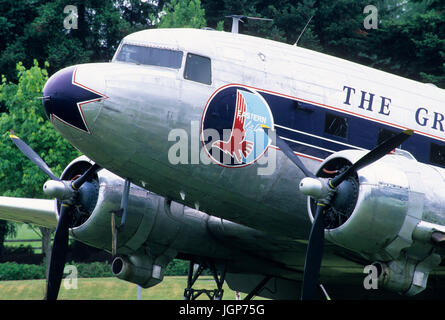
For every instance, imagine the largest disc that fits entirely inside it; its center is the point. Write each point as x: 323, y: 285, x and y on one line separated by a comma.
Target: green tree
x: 35, y: 30
x: 183, y: 14
x: 6, y: 229
x: 413, y: 44
x: 289, y: 19
x: 14, y: 16
x: 409, y: 39
x: 24, y: 114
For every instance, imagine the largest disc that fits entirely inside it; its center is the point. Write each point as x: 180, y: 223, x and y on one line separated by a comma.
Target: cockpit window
x: 150, y: 56
x: 198, y: 68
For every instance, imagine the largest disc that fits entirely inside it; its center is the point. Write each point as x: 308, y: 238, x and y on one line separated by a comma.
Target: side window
x: 437, y: 154
x: 336, y: 125
x: 385, y: 134
x: 198, y: 68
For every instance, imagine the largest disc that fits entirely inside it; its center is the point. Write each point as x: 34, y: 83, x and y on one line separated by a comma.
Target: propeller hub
x: 341, y: 199
x: 311, y: 187
x: 59, y: 189
x: 316, y: 188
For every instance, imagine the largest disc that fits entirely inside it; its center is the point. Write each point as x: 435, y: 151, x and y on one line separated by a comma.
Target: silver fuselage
x: 129, y: 130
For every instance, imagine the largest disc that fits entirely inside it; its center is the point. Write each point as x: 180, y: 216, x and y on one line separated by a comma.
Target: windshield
x: 150, y: 56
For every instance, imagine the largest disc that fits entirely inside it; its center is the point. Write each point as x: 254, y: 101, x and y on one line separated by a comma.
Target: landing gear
x: 193, y: 275
x: 258, y: 288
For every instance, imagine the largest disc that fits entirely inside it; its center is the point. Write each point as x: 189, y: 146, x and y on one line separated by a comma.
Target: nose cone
x: 64, y: 97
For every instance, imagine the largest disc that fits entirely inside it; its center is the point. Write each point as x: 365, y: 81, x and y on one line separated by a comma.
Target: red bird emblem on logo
x: 236, y: 146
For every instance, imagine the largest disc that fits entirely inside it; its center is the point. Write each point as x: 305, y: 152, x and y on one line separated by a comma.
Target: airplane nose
x: 64, y: 97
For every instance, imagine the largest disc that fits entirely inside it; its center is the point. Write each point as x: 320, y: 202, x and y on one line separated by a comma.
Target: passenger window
x: 198, y: 68
x: 385, y: 134
x: 336, y: 125
x: 437, y: 154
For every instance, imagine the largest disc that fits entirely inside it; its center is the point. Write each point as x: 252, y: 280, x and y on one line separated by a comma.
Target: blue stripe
x: 362, y: 133
x: 308, y: 150
x: 312, y: 140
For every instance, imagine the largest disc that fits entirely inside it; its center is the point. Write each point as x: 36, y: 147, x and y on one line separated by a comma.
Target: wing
x: 40, y: 212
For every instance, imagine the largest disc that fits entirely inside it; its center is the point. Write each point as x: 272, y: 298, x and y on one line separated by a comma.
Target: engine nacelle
x: 386, y: 203
x: 92, y: 219
x: 155, y: 230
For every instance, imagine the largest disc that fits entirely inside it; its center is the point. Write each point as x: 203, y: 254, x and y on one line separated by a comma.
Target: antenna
x: 304, y: 29
x: 237, y: 18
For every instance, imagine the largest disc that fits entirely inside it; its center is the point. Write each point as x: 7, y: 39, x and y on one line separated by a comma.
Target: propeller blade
x: 33, y: 156
x: 85, y: 176
x: 58, y: 252
x: 290, y: 154
x: 293, y: 157
x: 314, y: 255
x: 372, y: 156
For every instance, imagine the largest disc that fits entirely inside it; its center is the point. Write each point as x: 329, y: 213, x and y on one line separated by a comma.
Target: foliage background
x: 409, y: 40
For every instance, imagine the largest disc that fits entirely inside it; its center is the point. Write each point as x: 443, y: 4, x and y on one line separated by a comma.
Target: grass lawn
x: 172, y: 288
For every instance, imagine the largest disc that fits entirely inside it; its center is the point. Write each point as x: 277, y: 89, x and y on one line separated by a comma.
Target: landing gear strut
x: 193, y: 275
x: 258, y: 288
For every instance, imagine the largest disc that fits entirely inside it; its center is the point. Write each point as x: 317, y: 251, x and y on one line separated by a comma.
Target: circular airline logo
x: 234, y: 126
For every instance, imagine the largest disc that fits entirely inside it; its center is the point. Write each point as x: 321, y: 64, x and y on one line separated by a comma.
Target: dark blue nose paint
x: 63, y: 99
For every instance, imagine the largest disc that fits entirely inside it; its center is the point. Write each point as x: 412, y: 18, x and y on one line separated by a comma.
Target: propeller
x: 58, y: 252
x: 372, y: 156
x: 33, y: 156
x: 67, y: 192
x: 292, y: 157
x: 323, y: 190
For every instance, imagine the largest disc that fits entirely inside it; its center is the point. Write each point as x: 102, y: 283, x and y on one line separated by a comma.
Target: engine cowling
x: 145, y: 221
x: 155, y: 231
x: 378, y: 212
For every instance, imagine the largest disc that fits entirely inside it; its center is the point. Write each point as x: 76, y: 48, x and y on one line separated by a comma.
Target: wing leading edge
x: 40, y: 212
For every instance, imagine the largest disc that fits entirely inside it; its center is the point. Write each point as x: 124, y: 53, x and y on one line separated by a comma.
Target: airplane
x: 287, y: 172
